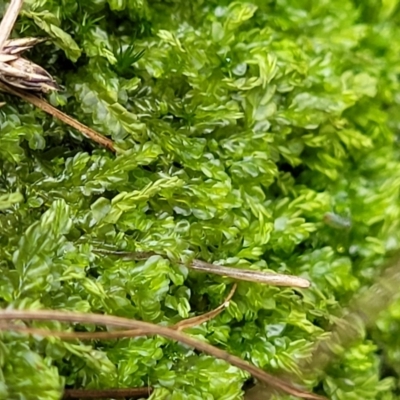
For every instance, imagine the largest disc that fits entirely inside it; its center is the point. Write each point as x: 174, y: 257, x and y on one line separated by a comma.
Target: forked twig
x: 273, y: 279
x: 48, y: 108
x: 8, y: 21
x: 147, y: 328
x: 200, y: 319
x: 184, y: 324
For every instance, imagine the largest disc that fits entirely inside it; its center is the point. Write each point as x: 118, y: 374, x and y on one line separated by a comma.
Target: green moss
x: 257, y: 134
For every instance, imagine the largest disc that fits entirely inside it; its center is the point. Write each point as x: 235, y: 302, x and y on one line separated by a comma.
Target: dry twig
x: 200, y: 319
x: 184, y: 324
x: 8, y: 21
x: 117, y: 393
x: 249, y: 275
x: 152, y: 329
x: 48, y: 108
x: 18, y: 73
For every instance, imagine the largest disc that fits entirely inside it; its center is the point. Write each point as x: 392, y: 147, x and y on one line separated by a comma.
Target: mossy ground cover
x: 248, y: 134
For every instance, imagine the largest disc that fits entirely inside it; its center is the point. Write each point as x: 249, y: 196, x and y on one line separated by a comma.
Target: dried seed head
x: 27, y: 75
x: 18, y: 46
x: 21, y: 73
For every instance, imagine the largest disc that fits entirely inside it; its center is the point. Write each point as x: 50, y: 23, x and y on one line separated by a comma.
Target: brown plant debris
x: 184, y: 324
x: 49, y: 109
x: 22, y: 73
x: 268, y: 278
x: 19, y: 76
x: 147, y: 328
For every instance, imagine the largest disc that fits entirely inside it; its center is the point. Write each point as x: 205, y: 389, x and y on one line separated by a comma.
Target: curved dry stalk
x: 107, y: 393
x: 147, y: 328
x: 184, y: 324
x: 273, y: 279
x: 200, y: 319
x: 49, y: 109
x: 8, y: 21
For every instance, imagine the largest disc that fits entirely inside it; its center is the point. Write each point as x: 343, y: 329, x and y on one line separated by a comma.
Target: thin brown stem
x: 249, y: 275
x: 184, y: 324
x: 200, y: 319
x: 152, y: 329
x: 49, y: 109
x: 8, y: 21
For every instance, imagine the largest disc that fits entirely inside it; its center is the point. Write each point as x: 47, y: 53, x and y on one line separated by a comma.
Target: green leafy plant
x: 252, y: 134
x: 125, y: 60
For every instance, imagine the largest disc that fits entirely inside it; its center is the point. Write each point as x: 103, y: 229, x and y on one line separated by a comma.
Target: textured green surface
x: 239, y: 125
